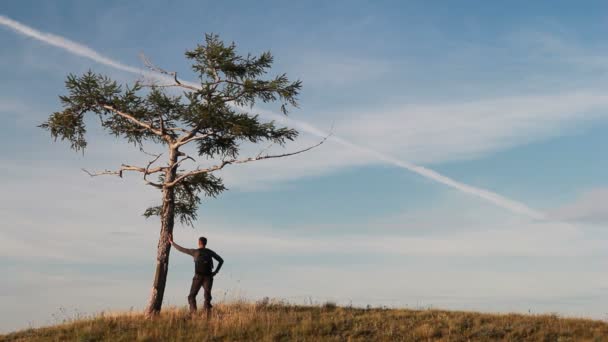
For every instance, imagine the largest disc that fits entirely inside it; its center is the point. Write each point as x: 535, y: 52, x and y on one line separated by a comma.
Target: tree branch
x: 177, y: 129
x: 173, y: 74
x: 217, y: 79
x: 186, y: 157
x: 134, y: 120
x: 162, y: 124
x: 241, y: 161
x: 146, y: 171
x: 141, y: 149
x: 190, y: 137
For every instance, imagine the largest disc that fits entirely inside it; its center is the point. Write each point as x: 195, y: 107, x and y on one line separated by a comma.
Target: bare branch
x: 124, y: 167
x: 264, y: 149
x: 241, y: 161
x: 192, y: 137
x: 134, y: 120
x: 177, y: 129
x: 146, y: 171
x: 159, y: 70
x: 156, y: 85
x: 162, y: 124
x: 153, y: 67
x: 141, y: 149
x: 186, y: 157
x: 106, y: 172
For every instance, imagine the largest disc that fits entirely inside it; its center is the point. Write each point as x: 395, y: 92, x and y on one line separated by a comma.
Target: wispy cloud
x: 364, y: 126
x: 36, y: 205
x: 492, y: 197
x: 550, y: 48
x: 464, y: 130
x: 66, y: 44
x: 10, y: 106
x: 420, y: 268
x: 325, y: 69
x: 590, y: 207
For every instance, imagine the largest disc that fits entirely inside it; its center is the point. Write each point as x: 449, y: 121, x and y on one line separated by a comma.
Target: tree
x: 214, y: 118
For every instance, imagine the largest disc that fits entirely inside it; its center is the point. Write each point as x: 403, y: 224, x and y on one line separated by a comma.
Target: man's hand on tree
x: 170, y: 239
x: 213, y: 273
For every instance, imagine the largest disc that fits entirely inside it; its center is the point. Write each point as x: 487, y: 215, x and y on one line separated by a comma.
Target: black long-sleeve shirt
x: 195, y: 253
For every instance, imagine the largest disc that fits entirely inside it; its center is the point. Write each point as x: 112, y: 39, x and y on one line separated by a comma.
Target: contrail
x: 66, y: 44
x: 84, y: 51
x: 499, y: 200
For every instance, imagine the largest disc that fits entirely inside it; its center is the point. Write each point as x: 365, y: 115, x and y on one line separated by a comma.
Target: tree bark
x: 162, y: 256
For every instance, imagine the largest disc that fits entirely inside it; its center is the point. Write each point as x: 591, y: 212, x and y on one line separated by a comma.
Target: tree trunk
x: 162, y: 256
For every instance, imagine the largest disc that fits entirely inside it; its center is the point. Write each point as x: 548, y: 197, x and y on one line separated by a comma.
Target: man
x: 203, y: 271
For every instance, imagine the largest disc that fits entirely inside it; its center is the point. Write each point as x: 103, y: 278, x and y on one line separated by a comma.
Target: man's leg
x: 207, y: 285
x: 197, y: 281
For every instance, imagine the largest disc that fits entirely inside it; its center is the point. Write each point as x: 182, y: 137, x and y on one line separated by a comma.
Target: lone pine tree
x: 214, y: 117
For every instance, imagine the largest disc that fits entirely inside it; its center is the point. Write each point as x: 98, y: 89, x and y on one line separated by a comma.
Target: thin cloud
x: 66, y: 44
x: 590, y: 207
x: 84, y: 51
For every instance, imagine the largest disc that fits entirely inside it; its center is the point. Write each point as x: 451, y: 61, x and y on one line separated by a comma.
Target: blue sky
x: 507, y: 98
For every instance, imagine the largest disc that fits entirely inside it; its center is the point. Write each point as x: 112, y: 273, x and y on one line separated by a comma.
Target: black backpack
x: 203, y: 264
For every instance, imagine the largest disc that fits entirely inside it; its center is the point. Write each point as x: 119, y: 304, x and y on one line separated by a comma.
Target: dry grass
x: 268, y: 321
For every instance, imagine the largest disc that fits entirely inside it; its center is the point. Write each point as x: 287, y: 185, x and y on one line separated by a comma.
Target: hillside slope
x: 281, y: 322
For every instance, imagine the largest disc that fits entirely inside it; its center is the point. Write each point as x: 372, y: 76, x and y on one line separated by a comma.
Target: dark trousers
x: 206, y: 281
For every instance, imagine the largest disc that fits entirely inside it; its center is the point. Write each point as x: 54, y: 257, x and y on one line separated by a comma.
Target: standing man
x: 203, y: 271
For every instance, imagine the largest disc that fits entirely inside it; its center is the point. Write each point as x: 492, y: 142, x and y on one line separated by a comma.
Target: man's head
x: 202, y: 242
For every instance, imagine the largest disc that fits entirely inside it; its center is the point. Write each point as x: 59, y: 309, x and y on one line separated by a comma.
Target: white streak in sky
x: 84, y: 51
x: 66, y: 44
x: 487, y: 195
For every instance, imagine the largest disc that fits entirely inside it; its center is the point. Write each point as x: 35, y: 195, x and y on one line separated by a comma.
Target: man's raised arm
x: 180, y: 248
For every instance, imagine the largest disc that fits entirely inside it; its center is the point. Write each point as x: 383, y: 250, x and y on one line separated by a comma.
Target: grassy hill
x: 282, y: 322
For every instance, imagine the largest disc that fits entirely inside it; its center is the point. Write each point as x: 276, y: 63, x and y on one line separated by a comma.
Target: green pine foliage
x: 216, y: 116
